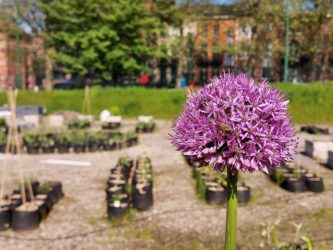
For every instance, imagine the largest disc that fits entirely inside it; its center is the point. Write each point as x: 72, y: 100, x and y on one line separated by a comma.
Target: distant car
x: 63, y: 85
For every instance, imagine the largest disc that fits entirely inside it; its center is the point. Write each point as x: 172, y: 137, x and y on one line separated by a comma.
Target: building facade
x: 9, y: 65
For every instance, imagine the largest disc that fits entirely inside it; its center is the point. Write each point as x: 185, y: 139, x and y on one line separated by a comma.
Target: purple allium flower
x: 236, y: 123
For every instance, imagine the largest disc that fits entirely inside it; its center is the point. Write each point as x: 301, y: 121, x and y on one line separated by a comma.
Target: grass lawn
x: 309, y: 103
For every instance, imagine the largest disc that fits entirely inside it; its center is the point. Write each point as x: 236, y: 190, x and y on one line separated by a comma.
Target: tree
x: 100, y: 40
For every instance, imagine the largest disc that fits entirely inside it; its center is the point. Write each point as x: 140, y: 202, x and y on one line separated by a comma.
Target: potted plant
x: 294, y: 182
x: 25, y: 217
x: 47, y: 144
x: 5, y: 214
x: 31, y: 142
x: 62, y: 142
x: 3, y: 142
x: 140, y: 127
x: 116, y: 208
x: 118, y: 140
x: 131, y: 138
x: 126, y: 164
x: 93, y: 142
x: 314, y: 183
x: 78, y: 141
x: 78, y: 124
x: 142, y: 196
x: 215, y: 193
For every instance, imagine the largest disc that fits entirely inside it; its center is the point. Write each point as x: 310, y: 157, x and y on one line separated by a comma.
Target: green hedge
x: 309, y: 103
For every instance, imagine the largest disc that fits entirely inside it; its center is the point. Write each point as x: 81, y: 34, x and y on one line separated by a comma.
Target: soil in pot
x: 295, y: 185
x: 5, y: 216
x: 215, y: 195
x: 116, y: 209
x: 25, y: 217
x: 315, y: 184
x: 243, y: 194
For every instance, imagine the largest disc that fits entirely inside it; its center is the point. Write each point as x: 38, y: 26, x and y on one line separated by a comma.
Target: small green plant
x: 45, y: 141
x: 3, y: 138
x: 125, y: 161
x: 78, y: 124
x: 130, y: 135
x: 78, y: 137
x: 31, y: 140
x: 63, y: 137
x: 44, y: 187
x: 117, y: 138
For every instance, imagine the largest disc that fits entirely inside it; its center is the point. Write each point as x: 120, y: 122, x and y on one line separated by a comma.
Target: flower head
x: 237, y: 123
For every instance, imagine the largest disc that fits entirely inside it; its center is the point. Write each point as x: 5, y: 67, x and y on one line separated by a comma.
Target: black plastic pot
x: 25, y: 220
x: 139, y: 130
x: 63, y: 149
x: 79, y: 148
x: 47, y: 200
x: 143, y: 201
x: 119, y: 145
x: 33, y: 149
x: 149, y: 130
x: 110, y: 147
x: 42, y: 208
x: 110, y: 192
x: 126, y: 172
x: 215, y: 195
x: 48, y: 150
x: 56, y: 189
x: 295, y: 185
x: 315, y: 184
x: 93, y: 147
x: 116, y: 211
x: 243, y: 194
x: 5, y: 217
x: 3, y: 148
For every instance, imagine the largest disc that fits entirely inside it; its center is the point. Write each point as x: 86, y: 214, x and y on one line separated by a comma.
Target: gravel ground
x: 178, y: 220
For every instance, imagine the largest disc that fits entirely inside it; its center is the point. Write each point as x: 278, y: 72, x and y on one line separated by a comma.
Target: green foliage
x: 3, y: 138
x: 45, y: 141
x: 125, y: 161
x: 78, y: 124
x: 309, y: 103
x: 104, y: 39
x: 131, y: 135
x: 114, y: 110
x: 78, y: 137
x: 31, y: 139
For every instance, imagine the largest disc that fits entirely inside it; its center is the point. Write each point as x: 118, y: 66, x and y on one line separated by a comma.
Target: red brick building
x: 8, y: 65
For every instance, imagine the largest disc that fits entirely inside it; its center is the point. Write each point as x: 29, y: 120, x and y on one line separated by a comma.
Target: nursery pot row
x: 19, y: 216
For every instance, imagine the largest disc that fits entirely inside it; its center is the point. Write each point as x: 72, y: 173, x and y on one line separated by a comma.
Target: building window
x: 230, y: 35
x: 229, y: 60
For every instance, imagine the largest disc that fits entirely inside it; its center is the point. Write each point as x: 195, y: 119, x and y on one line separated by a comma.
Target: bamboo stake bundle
x: 13, y: 142
x: 86, y: 106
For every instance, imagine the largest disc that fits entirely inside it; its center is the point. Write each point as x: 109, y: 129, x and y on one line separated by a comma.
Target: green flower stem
x: 231, y: 229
